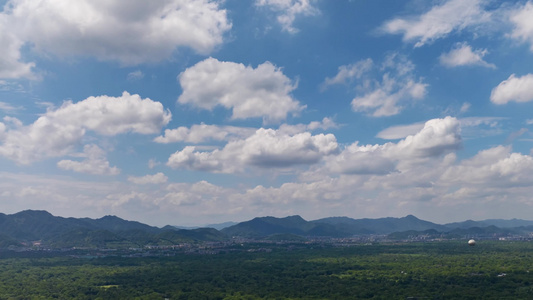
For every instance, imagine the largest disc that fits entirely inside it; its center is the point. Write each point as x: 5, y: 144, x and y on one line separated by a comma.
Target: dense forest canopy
x: 438, y: 270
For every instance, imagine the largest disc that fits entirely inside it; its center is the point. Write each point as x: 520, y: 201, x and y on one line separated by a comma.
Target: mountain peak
x: 294, y: 218
x: 110, y: 217
x: 33, y: 213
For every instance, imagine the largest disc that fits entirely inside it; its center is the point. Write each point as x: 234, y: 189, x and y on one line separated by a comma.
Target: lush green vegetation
x: 440, y: 270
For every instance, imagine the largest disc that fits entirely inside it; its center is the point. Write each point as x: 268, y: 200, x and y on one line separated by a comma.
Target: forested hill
x: 381, y: 225
x: 333, y: 227
x: 265, y: 226
x: 513, y: 223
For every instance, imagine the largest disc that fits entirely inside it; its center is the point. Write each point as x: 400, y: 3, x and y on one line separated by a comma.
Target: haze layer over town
x: 191, y: 112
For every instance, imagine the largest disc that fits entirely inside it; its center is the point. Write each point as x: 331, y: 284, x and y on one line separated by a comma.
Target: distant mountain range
x: 403, y: 227
x: 108, y: 232
x: 40, y: 227
x: 217, y: 226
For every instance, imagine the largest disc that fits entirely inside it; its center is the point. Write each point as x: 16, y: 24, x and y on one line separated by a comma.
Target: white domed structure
x: 471, y: 243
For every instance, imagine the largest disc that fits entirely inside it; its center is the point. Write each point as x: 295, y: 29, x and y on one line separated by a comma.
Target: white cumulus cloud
x: 56, y: 132
x: 398, y: 86
x: 11, y: 64
x: 113, y: 115
x: 438, y: 137
x: 2, y: 131
x: 201, y: 133
x: 201, y: 196
x: 288, y: 10
x: 135, y: 75
x: 463, y: 55
x: 399, y: 131
x: 349, y: 72
x: 325, y: 124
x: 14, y: 122
x: 248, y: 92
x: 266, y: 148
x: 157, y: 178
x: 522, y: 19
x: 384, y: 100
x: 519, y: 89
x: 7, y: 107
x: 94, y: 163
x: 439, y: 21
x: 189, y: 158
x: 465, y: 107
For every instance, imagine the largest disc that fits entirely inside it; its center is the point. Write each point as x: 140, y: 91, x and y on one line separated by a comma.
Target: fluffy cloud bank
x: 420, y: 173
x: 201, y: 133
x: 130, y: 32
x: 488, y: 178
x: 287, y: 147
x: 494, y: 167
x: 267, y: 148
x: 248, y: 92
x: 57, y: 131
x: 436, y: 138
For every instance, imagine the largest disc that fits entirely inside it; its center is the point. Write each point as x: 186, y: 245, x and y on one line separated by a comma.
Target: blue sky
x: 190, y: 112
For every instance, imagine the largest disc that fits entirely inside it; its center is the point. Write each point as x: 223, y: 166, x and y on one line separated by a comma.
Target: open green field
x: 438, y: 270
